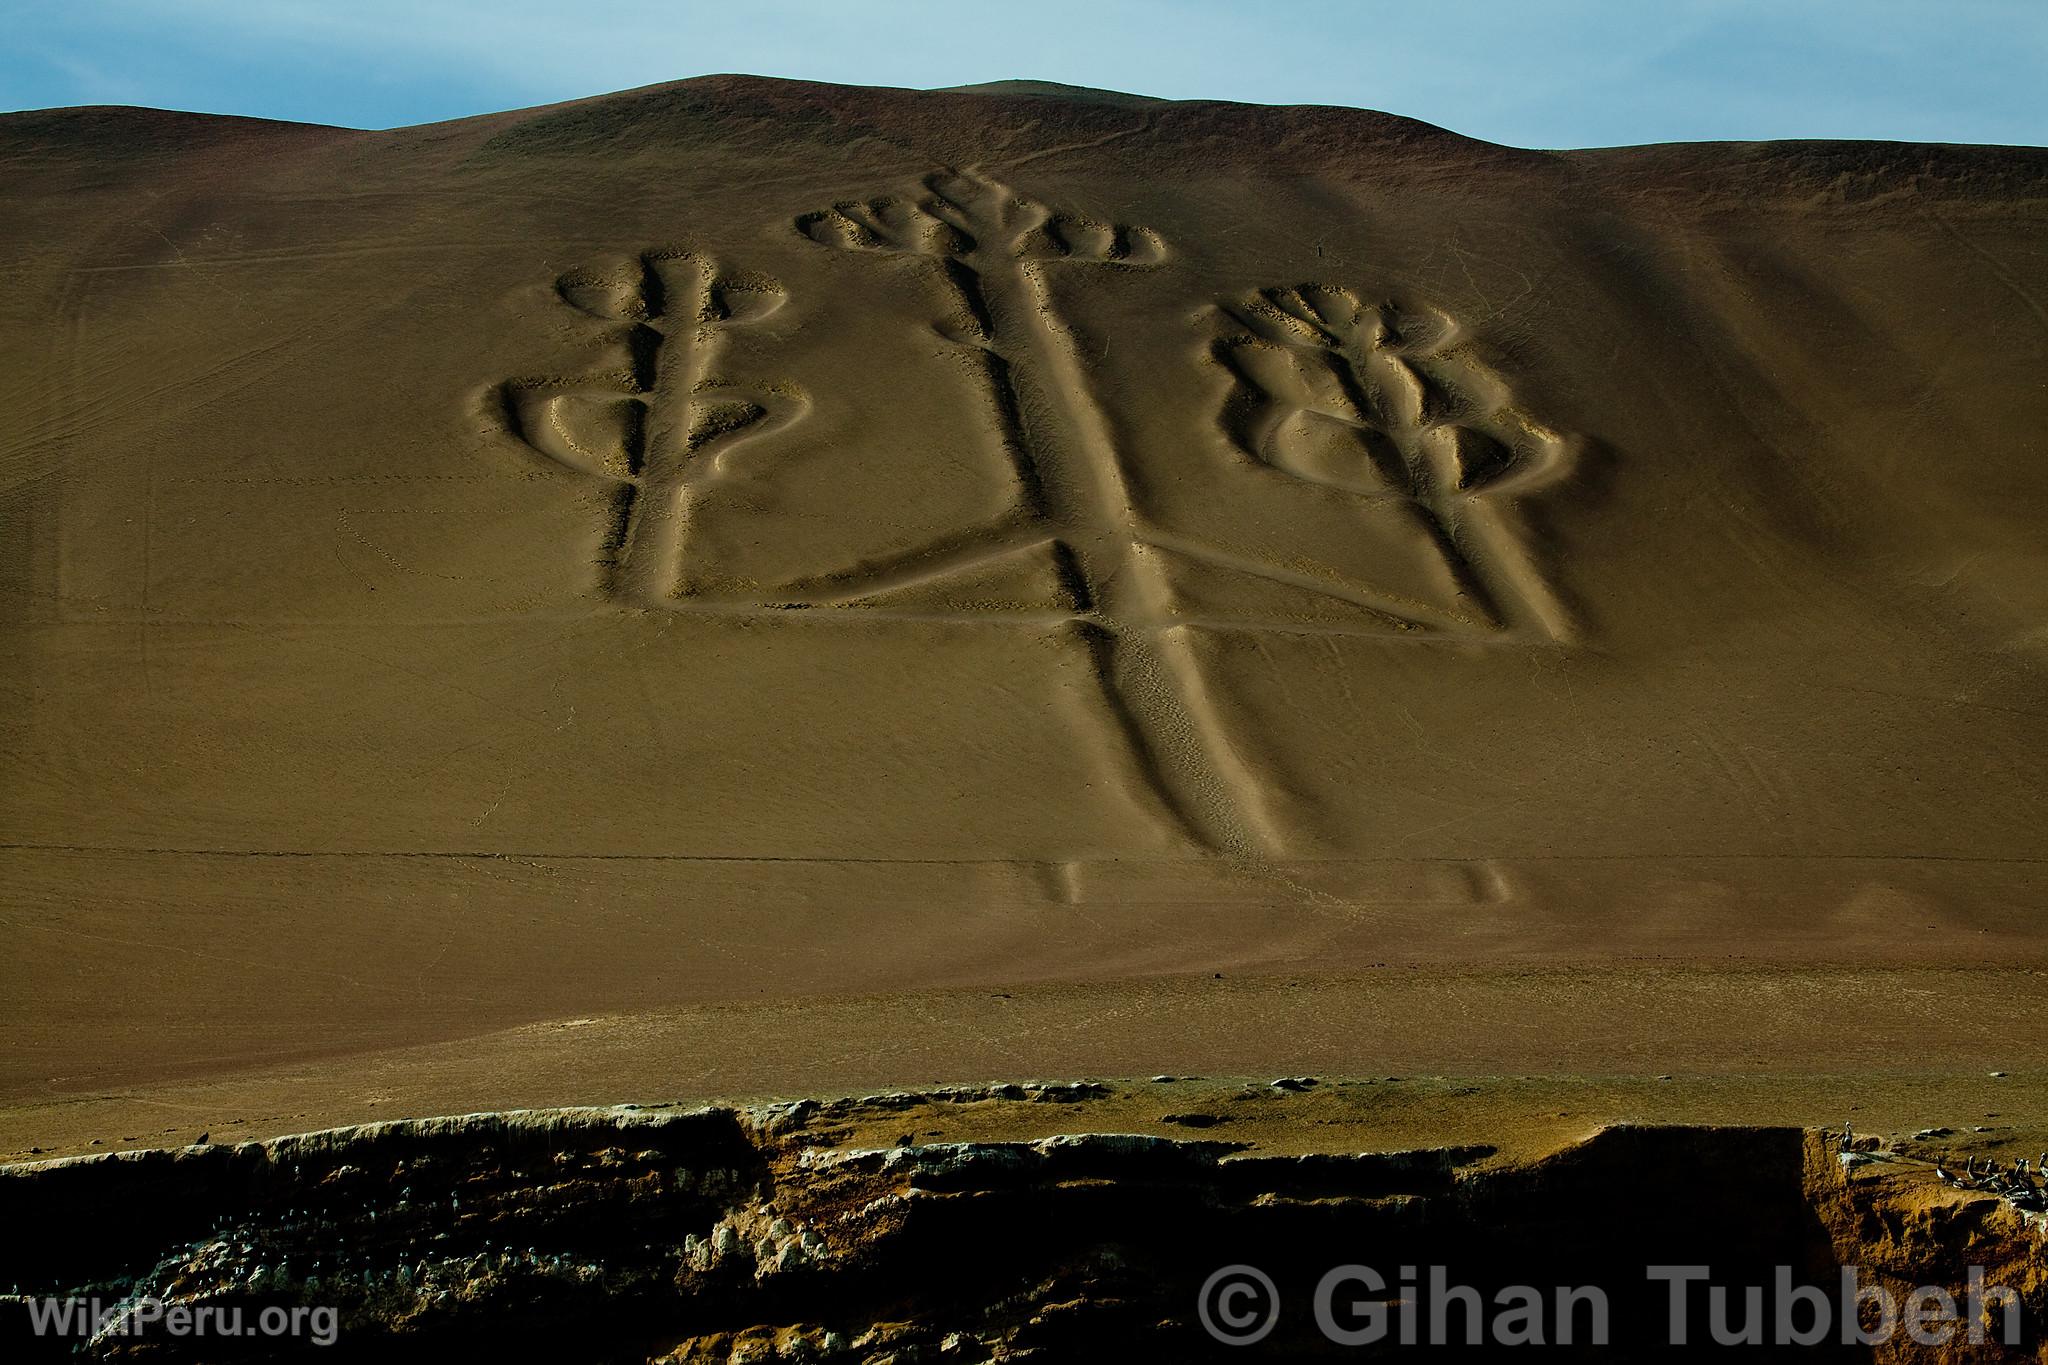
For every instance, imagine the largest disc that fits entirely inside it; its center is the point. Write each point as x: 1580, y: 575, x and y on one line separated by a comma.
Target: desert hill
x: 894, y: 586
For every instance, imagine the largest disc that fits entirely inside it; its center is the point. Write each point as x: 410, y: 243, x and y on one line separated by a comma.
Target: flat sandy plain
x: 746, y: 588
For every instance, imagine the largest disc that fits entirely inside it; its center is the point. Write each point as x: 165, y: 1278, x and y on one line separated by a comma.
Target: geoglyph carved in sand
x: 668, y: 422
x: 1386, y: 402
x: 1378, y: 404
x: 987, y: 249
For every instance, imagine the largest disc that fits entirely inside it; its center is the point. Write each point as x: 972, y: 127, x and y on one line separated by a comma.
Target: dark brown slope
x: 802, y: 557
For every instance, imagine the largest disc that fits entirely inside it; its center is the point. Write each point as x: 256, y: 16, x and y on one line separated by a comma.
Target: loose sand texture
x: 847, y: 588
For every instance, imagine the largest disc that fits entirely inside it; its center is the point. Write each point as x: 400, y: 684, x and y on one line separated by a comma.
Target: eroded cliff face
x: 766, y: 1234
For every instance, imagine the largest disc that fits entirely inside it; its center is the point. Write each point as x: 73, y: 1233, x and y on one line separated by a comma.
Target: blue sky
x: 1544, y: 73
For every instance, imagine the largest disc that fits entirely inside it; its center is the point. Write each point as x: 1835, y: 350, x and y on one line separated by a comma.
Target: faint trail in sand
x: 1996, y: 266
x: 1144, y: 125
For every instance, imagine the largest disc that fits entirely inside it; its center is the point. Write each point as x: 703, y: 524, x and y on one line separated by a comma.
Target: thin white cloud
x: 93, y: 82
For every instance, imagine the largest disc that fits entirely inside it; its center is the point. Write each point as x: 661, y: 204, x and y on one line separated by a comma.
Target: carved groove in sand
x: 988, y: 248
x: 1389, y: 405
x: 664, y: 424
x: 1381, y: 407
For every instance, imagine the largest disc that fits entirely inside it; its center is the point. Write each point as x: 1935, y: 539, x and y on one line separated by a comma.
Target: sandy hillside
x: 847, y: 587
